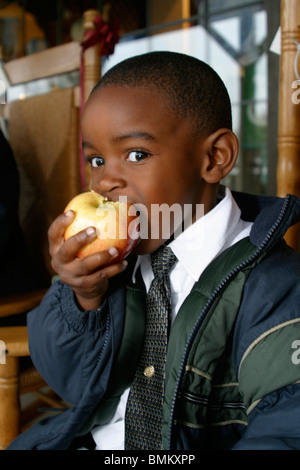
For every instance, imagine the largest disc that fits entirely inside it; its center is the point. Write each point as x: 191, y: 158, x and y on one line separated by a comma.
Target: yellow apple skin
x: 112, y: 221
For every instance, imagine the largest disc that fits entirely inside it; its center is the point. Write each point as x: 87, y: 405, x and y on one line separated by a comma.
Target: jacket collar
x: 272, y: 216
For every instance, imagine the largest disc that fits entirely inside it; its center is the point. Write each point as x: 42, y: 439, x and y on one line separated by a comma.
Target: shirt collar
x: 202, y: 241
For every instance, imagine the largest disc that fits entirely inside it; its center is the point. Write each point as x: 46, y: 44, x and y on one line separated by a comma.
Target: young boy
x: 157, y: 129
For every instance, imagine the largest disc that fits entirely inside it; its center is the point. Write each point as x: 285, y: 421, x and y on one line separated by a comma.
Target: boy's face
x: 139, y: 149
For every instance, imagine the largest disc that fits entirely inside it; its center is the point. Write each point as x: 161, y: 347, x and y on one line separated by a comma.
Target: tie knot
x: 162, y: 261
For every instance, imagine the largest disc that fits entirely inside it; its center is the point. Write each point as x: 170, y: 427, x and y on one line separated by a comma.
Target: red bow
x: 104, y: 34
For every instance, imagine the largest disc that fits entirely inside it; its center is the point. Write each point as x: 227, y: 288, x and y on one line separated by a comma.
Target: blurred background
x: 233, y: 36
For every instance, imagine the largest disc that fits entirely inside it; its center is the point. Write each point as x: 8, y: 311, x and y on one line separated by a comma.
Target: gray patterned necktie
x: 143, y: 418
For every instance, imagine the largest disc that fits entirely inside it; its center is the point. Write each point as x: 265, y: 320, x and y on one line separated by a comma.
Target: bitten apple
x: 116, y: 223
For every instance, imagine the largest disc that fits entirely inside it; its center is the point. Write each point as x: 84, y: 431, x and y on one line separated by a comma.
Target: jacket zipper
x: 209, y: 303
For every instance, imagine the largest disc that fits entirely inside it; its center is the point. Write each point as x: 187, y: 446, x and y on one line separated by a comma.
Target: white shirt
x: 194, y: 248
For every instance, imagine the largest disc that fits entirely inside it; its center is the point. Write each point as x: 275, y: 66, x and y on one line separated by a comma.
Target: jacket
x: 232, y: 373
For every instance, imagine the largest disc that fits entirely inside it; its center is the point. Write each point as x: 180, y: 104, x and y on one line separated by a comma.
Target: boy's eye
x: 96, y: 161
x: 137, y: 155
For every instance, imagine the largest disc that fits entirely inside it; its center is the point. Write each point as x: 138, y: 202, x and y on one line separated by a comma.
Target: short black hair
x: 193, y: 89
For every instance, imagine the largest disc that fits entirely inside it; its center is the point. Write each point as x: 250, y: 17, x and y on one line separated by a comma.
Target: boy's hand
x: 88, y: 276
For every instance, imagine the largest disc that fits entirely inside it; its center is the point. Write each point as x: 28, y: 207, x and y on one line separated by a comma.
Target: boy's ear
x: 222, y: 149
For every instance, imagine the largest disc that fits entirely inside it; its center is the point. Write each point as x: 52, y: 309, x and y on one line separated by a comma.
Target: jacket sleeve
x: 274, y: 422
x: 65, y: 343
x: 267, y: 352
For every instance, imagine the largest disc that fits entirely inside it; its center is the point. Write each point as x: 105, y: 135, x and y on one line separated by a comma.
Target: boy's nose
x: 110, y: 182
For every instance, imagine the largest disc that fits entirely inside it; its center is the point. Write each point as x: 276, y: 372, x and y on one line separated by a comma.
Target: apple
x: 116, y: 223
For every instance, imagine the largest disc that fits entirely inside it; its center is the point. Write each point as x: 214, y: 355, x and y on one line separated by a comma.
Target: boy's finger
x: 98, y: 260
x: 107, y: 272
x: 57, y: 228
x: 71, y: 246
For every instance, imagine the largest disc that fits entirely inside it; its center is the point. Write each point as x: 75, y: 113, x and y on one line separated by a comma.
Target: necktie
x: 143, y: 417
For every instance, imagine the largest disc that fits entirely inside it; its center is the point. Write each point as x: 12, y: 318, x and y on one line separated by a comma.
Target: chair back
x: 43, y: 131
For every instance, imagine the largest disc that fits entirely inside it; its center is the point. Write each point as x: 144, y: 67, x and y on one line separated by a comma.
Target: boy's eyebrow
x: 135, y: 135
x: 129, y: 135
x: 86, y: 144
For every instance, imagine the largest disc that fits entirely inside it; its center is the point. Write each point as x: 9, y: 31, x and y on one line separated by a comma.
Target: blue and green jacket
x: 233, y: 368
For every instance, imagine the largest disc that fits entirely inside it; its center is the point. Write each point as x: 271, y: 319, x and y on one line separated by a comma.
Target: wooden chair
x: 44, y: 135
x: 288, y: 168
x: 13, y: 382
